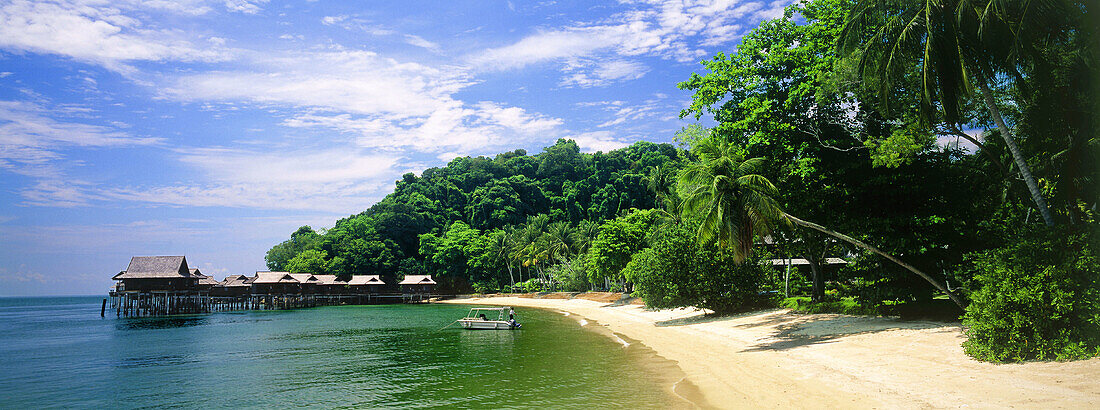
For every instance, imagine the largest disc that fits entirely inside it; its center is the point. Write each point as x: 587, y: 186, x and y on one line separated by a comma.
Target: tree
x: 933, y: 35
x: 735, y: 205
x: 309, y: 261
x: 619, y: 239
x: 302, y: 239
x: 678, y: 271
x: 500, y: 246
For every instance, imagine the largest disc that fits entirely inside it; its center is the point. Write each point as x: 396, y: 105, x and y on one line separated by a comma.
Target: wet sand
x: 777, y: 358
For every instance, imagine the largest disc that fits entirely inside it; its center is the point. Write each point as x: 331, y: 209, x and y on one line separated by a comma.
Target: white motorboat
x: 498, y: 318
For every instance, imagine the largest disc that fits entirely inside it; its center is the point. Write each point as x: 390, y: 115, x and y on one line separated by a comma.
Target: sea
x: 57, y: 352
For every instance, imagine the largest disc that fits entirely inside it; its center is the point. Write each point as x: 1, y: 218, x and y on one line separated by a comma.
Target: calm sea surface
x: 58, y: 352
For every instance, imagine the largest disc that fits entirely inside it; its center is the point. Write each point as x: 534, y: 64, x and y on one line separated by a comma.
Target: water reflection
x: 487, y: 341
x: 161, y: 322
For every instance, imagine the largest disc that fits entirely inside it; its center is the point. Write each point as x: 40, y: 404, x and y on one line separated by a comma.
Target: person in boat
x: 512, y: 319
x: 482, y: 316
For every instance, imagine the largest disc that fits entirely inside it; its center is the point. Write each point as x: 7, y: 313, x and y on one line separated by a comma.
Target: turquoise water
x: 58, y: 352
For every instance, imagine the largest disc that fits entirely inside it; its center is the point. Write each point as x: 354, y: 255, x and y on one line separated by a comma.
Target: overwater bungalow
x: 156, y: 273
x: 307, y: 282
x: 365, y: 284
x: 205, y: 283
x: 275, y: 283
x: 417, y: 284
x: 330, y: 285
x: 233, y: 285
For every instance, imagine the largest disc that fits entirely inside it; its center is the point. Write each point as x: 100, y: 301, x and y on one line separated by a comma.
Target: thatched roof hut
x: 417, y: 280
x: 417, y: 284
x: 268, y: 278
x: 205, y: 282
x: 360, y: 280
x: 157, y: 273
x: 155, y: 267
x: 233, y: 285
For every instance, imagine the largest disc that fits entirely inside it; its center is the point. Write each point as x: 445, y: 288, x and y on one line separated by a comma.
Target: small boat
x: 490, y: 319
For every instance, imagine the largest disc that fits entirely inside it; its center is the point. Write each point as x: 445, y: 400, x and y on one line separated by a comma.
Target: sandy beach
x: 780, y: 359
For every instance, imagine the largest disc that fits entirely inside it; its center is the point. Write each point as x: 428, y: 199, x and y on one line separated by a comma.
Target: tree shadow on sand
x: 797, y: 330
x: 706, y: 317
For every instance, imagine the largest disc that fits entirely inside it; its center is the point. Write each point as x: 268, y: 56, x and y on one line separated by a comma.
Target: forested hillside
x: 449, y: 221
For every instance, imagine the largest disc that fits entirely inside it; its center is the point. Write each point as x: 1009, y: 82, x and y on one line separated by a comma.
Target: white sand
x: 779, y: 359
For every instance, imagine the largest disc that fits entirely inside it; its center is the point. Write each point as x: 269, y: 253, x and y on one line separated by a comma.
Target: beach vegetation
x: 1038, y: 297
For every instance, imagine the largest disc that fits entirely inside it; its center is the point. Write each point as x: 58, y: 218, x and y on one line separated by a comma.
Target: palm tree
x: 501, y: 248
x: 561, y: 241
x: 736, y: 205
x: 586, y: 235
x: 941, y: 36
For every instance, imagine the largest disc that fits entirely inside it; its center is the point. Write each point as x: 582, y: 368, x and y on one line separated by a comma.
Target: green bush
x: 1039, y: 298
x: 678, y: 272
x: 845, y: 305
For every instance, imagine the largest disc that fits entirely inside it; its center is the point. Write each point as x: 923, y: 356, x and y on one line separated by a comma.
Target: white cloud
x: 33, y: 144
x: 348, y: 81
x: 244, y: 6
x: 673, y: 30
x: 421, y: 42
x: 594, y: 73
x: 598, y: 141
x: 545, y: 46
x: 93, y: 33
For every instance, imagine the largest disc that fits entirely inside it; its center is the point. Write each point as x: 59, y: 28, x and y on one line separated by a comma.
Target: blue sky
x: 213, y: 129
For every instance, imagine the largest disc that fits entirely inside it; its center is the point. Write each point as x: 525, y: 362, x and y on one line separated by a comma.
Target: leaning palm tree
x: 941, y: 38
x: 736, y: 205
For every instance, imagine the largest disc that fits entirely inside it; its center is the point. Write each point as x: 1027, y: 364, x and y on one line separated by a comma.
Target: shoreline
x: 777, y: 358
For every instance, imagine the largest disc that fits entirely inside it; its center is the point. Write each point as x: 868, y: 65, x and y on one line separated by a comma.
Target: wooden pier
x: 138, y: 304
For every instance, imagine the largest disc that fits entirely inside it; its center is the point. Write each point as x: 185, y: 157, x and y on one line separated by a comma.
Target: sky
x: 213, y: 129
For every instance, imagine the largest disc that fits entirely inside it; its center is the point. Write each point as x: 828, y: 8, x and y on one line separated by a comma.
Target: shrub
x: 678, y: 272
x: 1039, y: 298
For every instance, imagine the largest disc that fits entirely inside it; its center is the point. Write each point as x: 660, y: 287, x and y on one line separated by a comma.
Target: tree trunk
x: 954, y: 298
x: 817, y: 292
x: 1010, y: 142
x: 510, y: 277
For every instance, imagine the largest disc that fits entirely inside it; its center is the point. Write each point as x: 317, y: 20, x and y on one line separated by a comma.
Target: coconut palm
x: 501, y: 248
x: 561, y: 241
x: 586, y: 234
x: 735, y: 205
x: 941, y: 37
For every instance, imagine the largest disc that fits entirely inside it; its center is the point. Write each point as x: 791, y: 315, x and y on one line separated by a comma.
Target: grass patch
x: 847, y: 306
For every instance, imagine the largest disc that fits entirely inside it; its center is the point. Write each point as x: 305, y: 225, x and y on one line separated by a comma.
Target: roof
x: 155, y: 267
x: 800, y: 261
x: 366, y: 280
x: 417, y: 280
x: 305, y: 278
x: 234, y: 281
x: 203, y: 279
x: 263, y: 278
x: 329, y: 280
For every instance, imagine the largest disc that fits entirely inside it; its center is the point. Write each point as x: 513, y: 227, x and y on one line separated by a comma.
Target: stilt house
x: 417, y: 284
x: 156, y: 273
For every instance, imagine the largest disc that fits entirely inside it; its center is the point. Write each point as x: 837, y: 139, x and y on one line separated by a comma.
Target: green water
x: 57, y: 352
